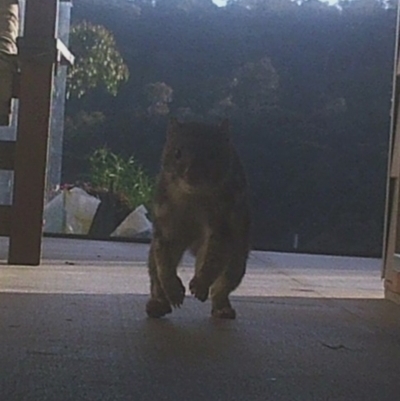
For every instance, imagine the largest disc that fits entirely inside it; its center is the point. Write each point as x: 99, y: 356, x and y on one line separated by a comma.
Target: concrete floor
x: 308, y: 328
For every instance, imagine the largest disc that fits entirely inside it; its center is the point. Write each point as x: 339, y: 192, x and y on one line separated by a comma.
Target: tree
x: 159, y: 94
x: 98, y: 62
x: 83, y: 132
x: 255, y: 86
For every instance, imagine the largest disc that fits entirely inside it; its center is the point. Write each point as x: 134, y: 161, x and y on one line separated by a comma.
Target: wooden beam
x: 5, y: 219
x: 48, y: 48
x: 7, y: 155
x: 36, y: 83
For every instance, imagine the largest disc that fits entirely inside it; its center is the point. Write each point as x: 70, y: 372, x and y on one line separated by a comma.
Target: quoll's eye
x: 178, y: 154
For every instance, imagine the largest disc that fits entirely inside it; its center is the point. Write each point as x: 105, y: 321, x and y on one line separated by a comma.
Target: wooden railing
x: 39, y: 51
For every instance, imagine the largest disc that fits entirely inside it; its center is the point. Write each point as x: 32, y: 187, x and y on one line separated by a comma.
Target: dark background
x: 307, y: 88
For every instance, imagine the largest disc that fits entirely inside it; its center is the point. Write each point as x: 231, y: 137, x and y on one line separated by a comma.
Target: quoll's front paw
x: 157, y: 308
x: 174, y: 290
x: 199, y: 288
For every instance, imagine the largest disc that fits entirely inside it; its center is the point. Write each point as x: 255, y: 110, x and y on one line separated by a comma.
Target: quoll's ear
x: 225, y: 128
x: 173, y: 125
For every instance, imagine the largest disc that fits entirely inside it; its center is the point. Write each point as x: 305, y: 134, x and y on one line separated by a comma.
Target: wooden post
x: 38, y: 58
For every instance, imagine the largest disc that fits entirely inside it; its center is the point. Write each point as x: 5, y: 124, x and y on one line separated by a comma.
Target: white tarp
x: 70, y: 212
x: 136, y: 224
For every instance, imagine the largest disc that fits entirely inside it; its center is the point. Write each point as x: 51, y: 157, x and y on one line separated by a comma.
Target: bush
x: 108, y: 170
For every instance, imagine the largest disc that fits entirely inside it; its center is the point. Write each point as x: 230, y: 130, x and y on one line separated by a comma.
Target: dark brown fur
x: 200, y: 204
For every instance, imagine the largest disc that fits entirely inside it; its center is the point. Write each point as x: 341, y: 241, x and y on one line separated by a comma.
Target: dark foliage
x: 306, y: 86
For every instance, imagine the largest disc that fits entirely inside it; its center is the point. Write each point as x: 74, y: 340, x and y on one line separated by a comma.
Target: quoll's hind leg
x: 228, y: 281
x: 158, y: 304
x: 167, y: 255
x: 211, y: 258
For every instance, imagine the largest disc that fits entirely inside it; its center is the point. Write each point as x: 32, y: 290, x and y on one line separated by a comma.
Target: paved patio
x: 308, y: 328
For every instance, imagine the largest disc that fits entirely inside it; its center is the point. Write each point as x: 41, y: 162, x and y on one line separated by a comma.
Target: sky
x: 222, y: 3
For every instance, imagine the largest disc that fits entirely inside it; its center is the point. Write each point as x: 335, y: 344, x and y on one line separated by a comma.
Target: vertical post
x: 35, y: 93
x: 393, y: 165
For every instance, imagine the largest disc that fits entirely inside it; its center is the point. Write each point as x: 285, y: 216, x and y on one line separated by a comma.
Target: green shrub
x: 108, y: 170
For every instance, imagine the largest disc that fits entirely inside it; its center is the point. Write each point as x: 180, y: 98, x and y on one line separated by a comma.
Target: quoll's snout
x: 201, y: 174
